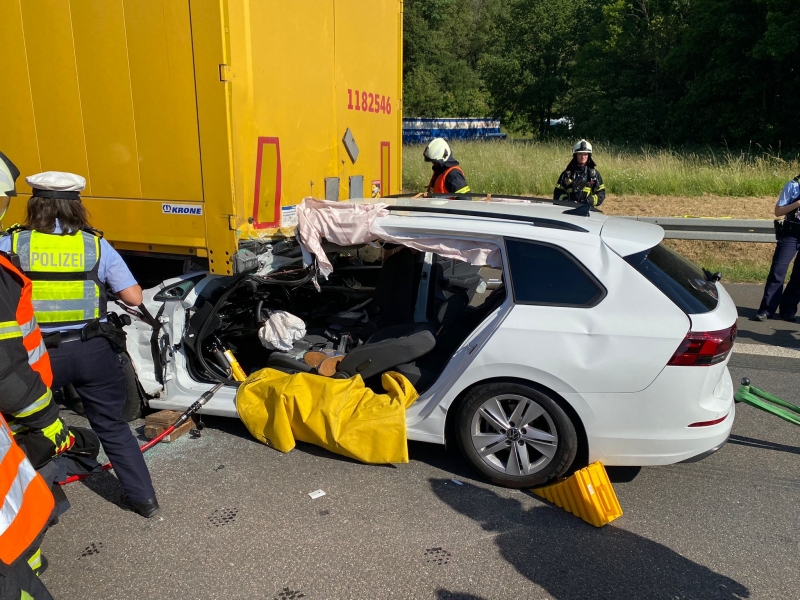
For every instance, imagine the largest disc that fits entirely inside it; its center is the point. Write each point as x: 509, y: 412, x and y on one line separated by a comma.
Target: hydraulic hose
x: 187, y: 414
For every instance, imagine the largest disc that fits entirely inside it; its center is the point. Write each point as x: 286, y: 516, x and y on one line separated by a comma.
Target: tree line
x: 661, y: 72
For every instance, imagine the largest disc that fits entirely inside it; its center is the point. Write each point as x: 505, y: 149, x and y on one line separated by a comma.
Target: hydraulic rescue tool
x: 760, y: 399
x: 180, y: 421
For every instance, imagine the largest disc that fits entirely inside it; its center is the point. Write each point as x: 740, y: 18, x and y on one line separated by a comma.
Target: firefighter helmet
x: 8, y: 187
x: 582, y: 147
x: 437, y: 149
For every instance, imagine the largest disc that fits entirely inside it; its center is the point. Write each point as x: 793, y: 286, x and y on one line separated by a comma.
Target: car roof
x: 542, y: 211
x: 624, y: 236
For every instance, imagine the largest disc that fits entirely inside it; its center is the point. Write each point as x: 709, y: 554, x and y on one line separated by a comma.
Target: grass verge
x: 739, y: 262
x: 532, y: 168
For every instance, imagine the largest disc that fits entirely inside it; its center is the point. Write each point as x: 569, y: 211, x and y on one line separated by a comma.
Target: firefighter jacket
x: 25, y: 373
x: 447, y: 178
x: 26, y: 500
x: 64, y: 269
x: 25, y: 497
x: 581, y: 184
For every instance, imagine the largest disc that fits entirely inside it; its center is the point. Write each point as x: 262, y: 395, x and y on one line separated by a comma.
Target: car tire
x: 515, y: 435
x: 132, y: 409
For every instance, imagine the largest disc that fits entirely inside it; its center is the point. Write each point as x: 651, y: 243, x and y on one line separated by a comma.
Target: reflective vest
x: 437, y: 186
x: 63, y: 268
x: 26, y: 324
x: 25, y: 499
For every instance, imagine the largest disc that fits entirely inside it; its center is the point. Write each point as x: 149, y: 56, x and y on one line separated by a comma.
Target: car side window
x: 545, y: 274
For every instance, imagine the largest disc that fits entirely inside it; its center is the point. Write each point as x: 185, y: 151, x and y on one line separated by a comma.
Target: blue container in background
x: 421, y: 131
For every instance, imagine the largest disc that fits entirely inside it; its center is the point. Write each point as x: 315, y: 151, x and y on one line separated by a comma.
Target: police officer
x: 581, y: 181
x: 447, y: 178
x: 776, y: 299
x: 70, y: 265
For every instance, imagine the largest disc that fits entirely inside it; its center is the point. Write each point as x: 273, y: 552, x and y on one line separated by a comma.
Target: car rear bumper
x: 652, y: 427
x: 705, y: 454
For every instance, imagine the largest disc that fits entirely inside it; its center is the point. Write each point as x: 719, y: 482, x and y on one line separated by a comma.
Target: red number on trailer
x: 369, y: 102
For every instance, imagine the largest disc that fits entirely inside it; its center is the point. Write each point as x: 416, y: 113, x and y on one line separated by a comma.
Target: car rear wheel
x: 515, y: 435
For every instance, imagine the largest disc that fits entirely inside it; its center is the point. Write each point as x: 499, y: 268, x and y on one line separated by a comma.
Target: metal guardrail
x: 718, y: 230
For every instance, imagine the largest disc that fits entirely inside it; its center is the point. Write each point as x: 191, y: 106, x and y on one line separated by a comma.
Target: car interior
x: 383, y: 308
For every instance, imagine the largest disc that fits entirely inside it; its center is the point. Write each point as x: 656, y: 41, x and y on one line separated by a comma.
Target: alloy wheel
x: 514, y: 434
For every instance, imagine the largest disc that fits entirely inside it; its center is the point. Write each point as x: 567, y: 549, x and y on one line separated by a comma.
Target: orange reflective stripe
x: 25, y: 499
x: 32, y: 335
x: 438, y: 185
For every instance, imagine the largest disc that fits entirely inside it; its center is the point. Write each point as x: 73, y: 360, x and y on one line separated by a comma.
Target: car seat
x: 422, y: 373
x: 388, y: 347
x: 392, y: 302
x: 392, y: 346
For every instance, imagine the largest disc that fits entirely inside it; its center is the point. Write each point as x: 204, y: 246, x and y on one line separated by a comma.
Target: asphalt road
x: 237, y: 521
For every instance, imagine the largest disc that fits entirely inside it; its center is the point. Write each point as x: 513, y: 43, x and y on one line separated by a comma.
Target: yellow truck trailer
x: 199, y: 122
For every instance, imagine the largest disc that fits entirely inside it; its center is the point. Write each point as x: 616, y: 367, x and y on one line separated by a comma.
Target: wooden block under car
x: 157, y: 423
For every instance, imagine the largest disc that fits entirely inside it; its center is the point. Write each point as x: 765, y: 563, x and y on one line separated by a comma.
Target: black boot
x: 146, y: 509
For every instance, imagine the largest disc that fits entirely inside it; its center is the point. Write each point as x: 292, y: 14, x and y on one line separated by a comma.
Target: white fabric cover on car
x: 281, y: 330
x: 348, y: 224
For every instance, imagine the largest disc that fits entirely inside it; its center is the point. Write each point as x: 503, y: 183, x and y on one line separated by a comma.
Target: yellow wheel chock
x: 587, y: 494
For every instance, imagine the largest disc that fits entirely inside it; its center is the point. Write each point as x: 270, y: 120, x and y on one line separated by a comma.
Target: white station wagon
x: 580, y: 338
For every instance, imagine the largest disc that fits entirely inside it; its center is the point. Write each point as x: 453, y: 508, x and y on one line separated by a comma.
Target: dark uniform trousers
x: 95, y: 370
x: 19, y: 577
x: 776, y: 299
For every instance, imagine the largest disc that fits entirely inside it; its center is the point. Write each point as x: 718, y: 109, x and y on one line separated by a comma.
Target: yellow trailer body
x: 199, y: 122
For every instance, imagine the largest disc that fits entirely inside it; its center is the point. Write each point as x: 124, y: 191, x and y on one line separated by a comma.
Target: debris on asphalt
x: 316, y: 494
x: 457, y: 482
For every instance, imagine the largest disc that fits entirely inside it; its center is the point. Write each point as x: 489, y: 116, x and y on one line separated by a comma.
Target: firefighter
x: 776, y: 300
x: 27, y: 507
x: 447, y: 178
x: 27, y: 504
x: 580, y: 181
x: 70, y: 265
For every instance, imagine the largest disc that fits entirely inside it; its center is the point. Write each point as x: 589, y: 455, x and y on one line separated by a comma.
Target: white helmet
x: 437, y: 149
x: 8, y: 187
x: 582, y: 147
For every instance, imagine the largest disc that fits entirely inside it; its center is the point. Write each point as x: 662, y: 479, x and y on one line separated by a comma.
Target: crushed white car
x: 564, y: 337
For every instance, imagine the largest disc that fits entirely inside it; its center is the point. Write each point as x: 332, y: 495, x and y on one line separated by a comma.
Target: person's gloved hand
x: 42, y: 445
x: 60, y: 436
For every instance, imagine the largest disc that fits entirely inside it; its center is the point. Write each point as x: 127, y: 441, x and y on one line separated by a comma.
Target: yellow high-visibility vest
x: 63, y: 269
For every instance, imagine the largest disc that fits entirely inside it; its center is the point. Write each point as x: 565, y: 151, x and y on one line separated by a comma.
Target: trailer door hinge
x: 225, y: 73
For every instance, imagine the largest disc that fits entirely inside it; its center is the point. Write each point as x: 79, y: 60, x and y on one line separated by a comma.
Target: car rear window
x: 679, y: 279
x: 545, y: 274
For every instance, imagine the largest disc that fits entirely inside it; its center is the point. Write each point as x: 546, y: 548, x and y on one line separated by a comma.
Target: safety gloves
x: 60, y: 436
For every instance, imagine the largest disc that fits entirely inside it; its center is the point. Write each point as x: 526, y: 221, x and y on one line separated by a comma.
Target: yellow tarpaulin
x: 342, y: 415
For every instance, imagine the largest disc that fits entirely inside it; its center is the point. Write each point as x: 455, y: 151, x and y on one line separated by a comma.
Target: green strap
x: 745, y: 395
x: 774, y: 399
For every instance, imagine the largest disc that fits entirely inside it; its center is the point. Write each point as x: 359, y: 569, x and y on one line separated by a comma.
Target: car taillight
x: 704, y: 348
x: 709, y: 423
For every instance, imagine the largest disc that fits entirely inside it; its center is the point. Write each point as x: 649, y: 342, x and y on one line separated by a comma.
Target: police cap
x: 56, y: 184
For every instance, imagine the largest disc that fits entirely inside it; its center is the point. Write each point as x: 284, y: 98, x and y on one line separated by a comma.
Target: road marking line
x: 765, y: 350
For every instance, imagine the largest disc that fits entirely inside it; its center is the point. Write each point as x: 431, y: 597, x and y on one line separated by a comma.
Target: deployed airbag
x: 341, y: 415
x: 281, y: 330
